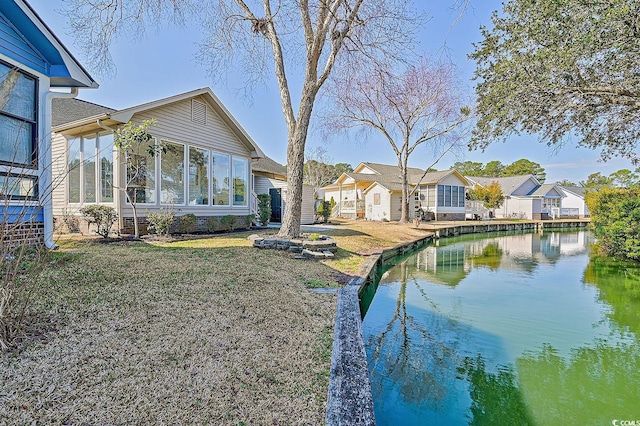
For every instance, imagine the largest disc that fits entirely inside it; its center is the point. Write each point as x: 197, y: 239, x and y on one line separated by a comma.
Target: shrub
x: 20, y: 266
x: 324, y: 210
x: 70, y: 222
x: 615, y: 218
x: 248, y: 220
x: 102, y: 216
x: 212, y: 224
x: 160, y: 222
x: 264, y: 209
x: 228, y: 222
x: 187, y: 223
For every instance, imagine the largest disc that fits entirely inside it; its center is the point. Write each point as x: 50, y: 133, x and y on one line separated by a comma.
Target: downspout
x: 46, y: 176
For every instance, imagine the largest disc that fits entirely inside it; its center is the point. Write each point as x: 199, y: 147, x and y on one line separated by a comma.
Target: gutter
x: 46, y: 179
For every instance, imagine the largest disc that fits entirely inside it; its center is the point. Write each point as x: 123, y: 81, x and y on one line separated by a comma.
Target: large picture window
x: 221, y: 172
x: 18, y: 124
x: 141, y: 178
x: 90, y: 169
x: 451, y: 196
x: 106, y: 168
x: 172, y: 174
x: 240, y: 181
x: 198, y: 177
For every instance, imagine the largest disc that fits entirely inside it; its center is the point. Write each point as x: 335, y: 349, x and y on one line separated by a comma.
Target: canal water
x: 524, y: 329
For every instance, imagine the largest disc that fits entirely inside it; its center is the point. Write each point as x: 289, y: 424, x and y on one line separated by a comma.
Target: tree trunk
x: 402, y: 163
x: 295, y: 166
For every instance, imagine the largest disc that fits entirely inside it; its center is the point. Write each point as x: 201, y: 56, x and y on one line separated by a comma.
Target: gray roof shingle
x: 68, y: 110
x: 267, y: 165
x: 508, y: 184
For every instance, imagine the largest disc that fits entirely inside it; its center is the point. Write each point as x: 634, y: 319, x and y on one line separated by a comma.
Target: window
x: 221, y: 171
x: 73, y: 176
x: 89, y: 146
x: 451, y: 196
x: 14, y: 187
x: 106, y: 168
x: 141, y: 178
x: 90, y: 169
x: 198, y: 176
x: 172, y: 174
x: 376, y: 199
x: 240, y: 181
x: 18, y: 129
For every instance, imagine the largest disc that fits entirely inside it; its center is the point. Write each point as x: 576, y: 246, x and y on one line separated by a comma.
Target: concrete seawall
x: 349, y: 399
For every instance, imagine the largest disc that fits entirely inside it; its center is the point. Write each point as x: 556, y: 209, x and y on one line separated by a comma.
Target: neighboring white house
x: 524, y: 198
x: 573, y: 204
x: 206, y: 169
x: 270, y: 177
x: 32, y: 62
x: 348, y: 191
x: 439, y: 196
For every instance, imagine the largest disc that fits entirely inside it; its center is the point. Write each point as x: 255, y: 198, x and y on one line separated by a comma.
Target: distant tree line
x: 318, y: 170
x: 495, y: 168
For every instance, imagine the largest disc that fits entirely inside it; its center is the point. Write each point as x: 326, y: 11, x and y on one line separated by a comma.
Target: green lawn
x: 134, y: 333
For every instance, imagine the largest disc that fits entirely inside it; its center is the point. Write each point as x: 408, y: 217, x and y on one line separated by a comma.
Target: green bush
x: 102, y: 216
x: 187, y: 223
x: 324, y: 210
x: 160, y: 222
x: 212, y: 224
x: 228, y: 222
x: 615, y: 218
x: 248, y: 220
x: 264, y: 209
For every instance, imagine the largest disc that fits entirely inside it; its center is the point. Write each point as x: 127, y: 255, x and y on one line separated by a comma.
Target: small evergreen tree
x: 264, y: 209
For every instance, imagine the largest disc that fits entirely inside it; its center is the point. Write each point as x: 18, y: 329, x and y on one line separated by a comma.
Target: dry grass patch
x: 359, y: 238
x: 172, y: 335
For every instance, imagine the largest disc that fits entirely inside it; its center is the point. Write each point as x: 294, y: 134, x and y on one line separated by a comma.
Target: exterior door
x: 276, y: 204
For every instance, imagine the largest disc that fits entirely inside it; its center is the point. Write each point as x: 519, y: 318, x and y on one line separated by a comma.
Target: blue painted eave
x: 46, y: 44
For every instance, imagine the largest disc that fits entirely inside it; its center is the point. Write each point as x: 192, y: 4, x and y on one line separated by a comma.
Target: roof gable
x: 578, y: 191
x: 547, y: 190
x: 115, y: 117
x: 25, y: 38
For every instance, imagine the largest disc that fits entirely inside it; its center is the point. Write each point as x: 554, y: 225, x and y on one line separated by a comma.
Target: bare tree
x: 410, y: 108
x: 307, y: 39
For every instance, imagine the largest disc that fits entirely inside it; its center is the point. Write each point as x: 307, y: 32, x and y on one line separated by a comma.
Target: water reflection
x: 519, y: 329
x: 452, y: 259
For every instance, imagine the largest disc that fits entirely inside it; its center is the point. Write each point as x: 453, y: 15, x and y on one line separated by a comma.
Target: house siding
x: 379, y: 211
x: 572, y: 201
x: 174, y: 124
x: 519, y: 208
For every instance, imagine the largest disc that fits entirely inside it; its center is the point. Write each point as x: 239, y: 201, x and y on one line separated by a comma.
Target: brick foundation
x: 451, y: 216
x: 13, y: 235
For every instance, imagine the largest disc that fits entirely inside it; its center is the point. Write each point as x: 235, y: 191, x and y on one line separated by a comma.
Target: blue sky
x: 162, y: 63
